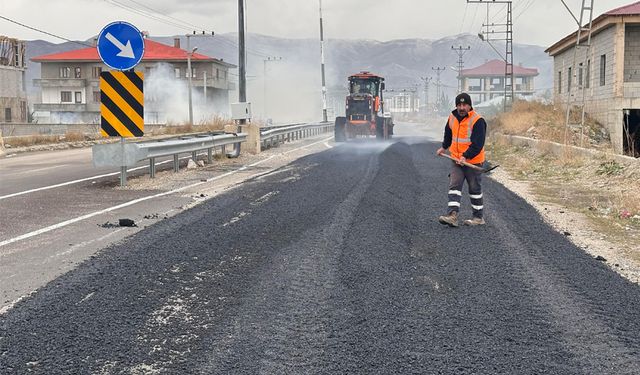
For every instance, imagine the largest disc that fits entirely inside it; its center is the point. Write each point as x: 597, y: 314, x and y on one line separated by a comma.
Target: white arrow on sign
x: 125, y: 51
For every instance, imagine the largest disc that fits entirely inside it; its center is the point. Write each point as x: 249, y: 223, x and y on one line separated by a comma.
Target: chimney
x: 176, y: 42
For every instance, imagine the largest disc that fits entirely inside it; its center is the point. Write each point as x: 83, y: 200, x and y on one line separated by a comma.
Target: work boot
x: 451, y: 219
x: 475, y: 221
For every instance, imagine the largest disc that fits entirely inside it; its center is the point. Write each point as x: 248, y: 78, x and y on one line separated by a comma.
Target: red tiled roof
x: 153, y: 51
x: 496, y: 68
x: 626, y: 10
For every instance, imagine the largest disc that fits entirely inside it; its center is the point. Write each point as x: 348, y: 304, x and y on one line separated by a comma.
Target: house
x: 13, y: 92
x: 609, y: 74
x: 486, y: 81
x: 70, y: 84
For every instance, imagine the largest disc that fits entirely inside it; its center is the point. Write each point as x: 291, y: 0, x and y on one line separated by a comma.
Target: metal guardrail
x: 272, y: 135
x: 125, y: 155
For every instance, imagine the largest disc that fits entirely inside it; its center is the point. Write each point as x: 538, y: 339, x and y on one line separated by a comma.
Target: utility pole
x: 508, y: 39
x: 427, y: 81
x: 242, y: 79
x: 190, y: 53
x: 324, y: 85
x: 460, y: 51
x: 438, y: 71
x: 265, y: 61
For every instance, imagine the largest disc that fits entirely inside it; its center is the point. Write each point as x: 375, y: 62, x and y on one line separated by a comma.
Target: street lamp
x: 190, y: 53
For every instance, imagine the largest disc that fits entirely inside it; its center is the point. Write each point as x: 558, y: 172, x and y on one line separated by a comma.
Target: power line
x: 146, y: 14
x: 45, y: 32
x: 168, y: 16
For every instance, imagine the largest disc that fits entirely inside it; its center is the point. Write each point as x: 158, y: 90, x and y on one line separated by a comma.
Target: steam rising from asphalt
x: 293, y: 92
x: 167, y: 99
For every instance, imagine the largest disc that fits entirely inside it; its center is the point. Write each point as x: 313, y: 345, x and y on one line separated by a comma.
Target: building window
x: 78, y: 97
x: 7, y: 114
x: 559, y: 82
x: 580, y: 69
x: 65, y: 96
x: 177, y: 70
x: 65, y: 72
x: 588, y: 78
x: 569, y: 77
x: 78, y: 72
x: 217, y: 73
x: 95, y: 71
x: 193, y: 73
x: 96, y: 97
x: 603, y: 69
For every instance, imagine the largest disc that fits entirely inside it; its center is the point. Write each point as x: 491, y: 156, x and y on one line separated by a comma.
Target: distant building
x: 402, y: 101
x: 13, y: 92
x: 70, y: 83
x: 611, y: 75
x: 486, y: 81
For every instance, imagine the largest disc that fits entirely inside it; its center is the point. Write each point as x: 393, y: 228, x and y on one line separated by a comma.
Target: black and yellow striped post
x: 122, y: 108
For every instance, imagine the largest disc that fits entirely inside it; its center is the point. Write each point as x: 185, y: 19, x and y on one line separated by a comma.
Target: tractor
x: 364, y: 111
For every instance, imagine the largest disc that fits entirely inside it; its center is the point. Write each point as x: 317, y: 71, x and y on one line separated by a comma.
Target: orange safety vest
x: 461, y: 140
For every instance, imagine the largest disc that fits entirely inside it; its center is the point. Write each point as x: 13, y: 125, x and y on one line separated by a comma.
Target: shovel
x: 473, y: 166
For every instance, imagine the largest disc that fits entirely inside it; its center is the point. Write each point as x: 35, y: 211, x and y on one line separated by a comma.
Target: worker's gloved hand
x: 462, y: 160
x: 440, y: 151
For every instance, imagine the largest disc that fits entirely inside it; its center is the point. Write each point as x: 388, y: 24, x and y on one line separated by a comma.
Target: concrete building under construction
x: 609, y: 74
x: 13, y: 93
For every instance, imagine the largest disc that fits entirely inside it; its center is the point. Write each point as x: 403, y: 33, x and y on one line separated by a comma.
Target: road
x: 334, y: 263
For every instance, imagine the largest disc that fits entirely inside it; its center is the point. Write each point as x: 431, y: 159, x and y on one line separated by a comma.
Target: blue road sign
x: 120, y: 45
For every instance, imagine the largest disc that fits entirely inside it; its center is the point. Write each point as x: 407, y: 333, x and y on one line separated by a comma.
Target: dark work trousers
x: 456, y: 179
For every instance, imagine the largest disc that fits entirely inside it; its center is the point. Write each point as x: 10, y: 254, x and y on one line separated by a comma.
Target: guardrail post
x: 194, y: 156
x: 176, y: 163
x: 210, y: 155
x: 152, y: 167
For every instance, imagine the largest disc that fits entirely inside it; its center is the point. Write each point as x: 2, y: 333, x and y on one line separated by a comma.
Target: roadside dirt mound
x: 547, y: 121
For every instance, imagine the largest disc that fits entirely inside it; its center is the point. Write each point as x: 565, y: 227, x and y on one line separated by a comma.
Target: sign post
x: 121, y: 47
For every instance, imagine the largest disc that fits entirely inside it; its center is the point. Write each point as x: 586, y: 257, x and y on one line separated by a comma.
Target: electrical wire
x: 45, y: 32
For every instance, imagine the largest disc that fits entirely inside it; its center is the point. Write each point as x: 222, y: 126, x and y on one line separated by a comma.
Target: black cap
x: 463, y: 98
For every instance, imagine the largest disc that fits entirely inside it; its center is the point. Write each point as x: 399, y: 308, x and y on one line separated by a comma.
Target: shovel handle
x: 463, y: 163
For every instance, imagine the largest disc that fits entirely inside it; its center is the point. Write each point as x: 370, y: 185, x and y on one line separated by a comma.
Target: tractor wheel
x: 379, y: 128
x: 340, y: 131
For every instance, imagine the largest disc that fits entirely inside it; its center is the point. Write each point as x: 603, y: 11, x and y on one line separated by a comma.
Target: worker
x: 464, y: 136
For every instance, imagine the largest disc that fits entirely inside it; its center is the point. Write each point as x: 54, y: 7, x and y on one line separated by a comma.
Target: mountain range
x: 402, y: 62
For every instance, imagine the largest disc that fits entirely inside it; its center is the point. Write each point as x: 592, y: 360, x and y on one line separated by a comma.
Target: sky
x: 538, y: 22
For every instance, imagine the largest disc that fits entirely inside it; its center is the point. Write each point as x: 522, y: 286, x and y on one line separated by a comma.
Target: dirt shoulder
x: 592, y: 200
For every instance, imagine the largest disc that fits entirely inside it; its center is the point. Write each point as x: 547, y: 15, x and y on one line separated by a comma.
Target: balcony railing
x: 60, y: 82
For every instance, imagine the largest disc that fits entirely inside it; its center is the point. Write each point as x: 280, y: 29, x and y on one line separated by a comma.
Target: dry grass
x: 603, y: 190
x: 33, y: 140
x: 215, y: 123
x: 547, y: 121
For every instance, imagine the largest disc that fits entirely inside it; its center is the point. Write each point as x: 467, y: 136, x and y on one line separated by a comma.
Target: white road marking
x: 135, y: 201
x: 8, y: 307
x: 41, y: 169
x: 78, y: 181
x: 235, y: 219
x: 86, y: 297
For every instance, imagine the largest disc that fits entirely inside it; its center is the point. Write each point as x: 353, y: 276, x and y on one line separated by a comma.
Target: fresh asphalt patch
x: 334, y: 264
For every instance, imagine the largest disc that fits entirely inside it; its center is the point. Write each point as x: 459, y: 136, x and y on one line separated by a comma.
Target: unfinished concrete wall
x: 632, y: 53
x: 604, y: 102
